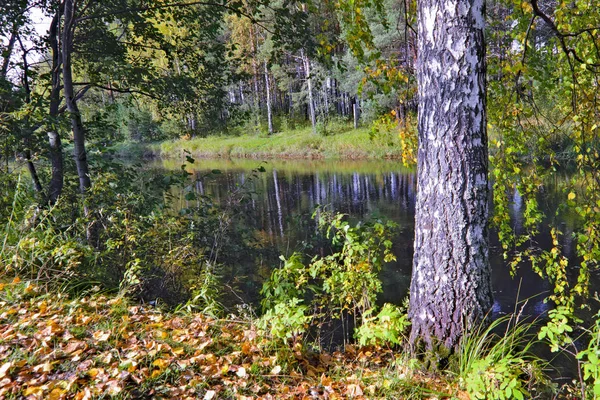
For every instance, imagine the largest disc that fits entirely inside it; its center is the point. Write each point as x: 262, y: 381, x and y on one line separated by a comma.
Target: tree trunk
x: 255, y: 79
x: 355, y: 112
x: 451, y: 280
x: 28, y: 130
x: 56, y: 156
x: 8, y: 52
x: 79, y: 152
x: 311, y: 102
x: 269, y: 111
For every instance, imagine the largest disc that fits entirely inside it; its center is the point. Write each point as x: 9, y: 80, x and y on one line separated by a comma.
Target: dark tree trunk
x: 451, y: 279
x: 9, y: 49
x: 79, y: 152
x: 56, y: 155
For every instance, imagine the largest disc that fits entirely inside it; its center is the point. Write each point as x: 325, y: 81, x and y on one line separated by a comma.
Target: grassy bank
x: 346, y: 143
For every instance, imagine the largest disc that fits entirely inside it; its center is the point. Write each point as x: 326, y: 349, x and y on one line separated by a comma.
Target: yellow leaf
x: 56, y: 394
x: 93, y: 372
x: 161, y: 363
x: 101, y: 336
x: 571, y: 196
x: 33, y: 390
x: 158, y: 334
x: 16, y: 280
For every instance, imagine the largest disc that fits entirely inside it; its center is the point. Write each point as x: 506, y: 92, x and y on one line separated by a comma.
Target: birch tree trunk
x: 451, y: 279
x: 311, y: 102
x: 269, y: 111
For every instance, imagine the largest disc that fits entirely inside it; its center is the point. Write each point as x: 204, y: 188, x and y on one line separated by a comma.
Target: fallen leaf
x: 276, y: 370
x: 161, y: 363
x: 241, y: 372
x: 56, y: 394
x: 101, y: 336
x: 210, y: 394
x: 4, y: 369
x: 353, y: 390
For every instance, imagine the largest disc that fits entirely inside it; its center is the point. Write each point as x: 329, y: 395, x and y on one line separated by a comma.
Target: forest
x: 318, y: 199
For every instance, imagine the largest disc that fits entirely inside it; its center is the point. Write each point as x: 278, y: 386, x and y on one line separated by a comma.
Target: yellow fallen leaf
x: 33, y: 390
x: 16, y: 280
x: 156, y: 373
x: 246, y: 347
x: 161, y: 363
x: 158, y: 334
x: 571, y: 196
x: 94, y: 372
x: 56, y: 394
x: 101, y: 336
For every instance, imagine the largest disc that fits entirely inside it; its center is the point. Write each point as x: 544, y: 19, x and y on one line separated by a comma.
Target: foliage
x: 387, y: 327
x: 500, y: 365
x: 590, y: 359
x: 337, y: 286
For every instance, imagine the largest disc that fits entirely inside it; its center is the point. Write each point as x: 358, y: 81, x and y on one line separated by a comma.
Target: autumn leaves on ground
x: 99, y: 346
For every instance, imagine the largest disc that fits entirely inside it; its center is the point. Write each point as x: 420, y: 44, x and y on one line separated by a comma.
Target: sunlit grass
x: 293, y: 144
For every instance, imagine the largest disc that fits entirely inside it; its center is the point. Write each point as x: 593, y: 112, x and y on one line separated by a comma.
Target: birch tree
x: 451, y: 278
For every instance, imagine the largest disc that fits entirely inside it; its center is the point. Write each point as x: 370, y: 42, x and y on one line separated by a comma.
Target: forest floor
x: 104, y: 346
x: 343, y: 142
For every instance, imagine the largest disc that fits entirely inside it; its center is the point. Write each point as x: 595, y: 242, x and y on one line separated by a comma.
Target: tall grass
x: 501, y: 365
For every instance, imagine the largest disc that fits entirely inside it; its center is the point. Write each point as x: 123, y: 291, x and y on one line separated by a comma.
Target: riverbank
x: 345, y: 143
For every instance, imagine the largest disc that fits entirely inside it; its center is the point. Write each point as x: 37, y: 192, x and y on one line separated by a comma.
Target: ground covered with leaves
x: 101, y: 346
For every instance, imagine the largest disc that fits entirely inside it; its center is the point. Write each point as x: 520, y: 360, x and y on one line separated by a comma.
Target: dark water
x: 287, y: 193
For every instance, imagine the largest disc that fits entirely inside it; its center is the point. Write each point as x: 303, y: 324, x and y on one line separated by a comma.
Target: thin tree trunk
x: 269, y: 112
x: 8, y: 52
x: 311, y: 103
x: 79, y: 151
x: 255, y: 79
x: 27, y: 135
x: 55, y: 154
x: 451, y: 279
x: 355, y: 111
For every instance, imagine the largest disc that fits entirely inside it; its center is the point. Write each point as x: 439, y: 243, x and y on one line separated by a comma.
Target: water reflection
x: 285, y: 195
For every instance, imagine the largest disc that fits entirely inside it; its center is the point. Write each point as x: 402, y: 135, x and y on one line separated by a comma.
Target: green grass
x: 294, y: 144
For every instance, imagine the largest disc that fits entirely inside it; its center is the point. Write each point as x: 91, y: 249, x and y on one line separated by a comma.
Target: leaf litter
x: 53, y: 347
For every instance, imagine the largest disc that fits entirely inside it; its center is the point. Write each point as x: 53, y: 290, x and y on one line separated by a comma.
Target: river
x: 285, y: 195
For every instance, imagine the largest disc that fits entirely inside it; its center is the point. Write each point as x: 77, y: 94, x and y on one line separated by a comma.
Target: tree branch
x: 560, y: 35
x: 115, y: 89
x: 173, y: 5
